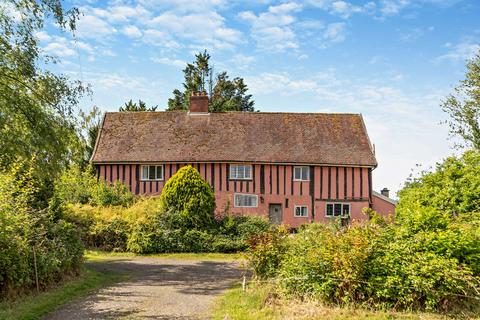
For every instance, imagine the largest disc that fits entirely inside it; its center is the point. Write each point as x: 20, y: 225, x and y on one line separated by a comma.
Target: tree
x: 224, y: 94
x: 134, y: 107
x: 463, y: 106
x: 88, y: 131
x: 188, y: 200
x: 36, y: 106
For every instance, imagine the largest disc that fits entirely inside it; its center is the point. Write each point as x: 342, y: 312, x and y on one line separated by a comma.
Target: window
x: 245, y: 200
x: 337, y: 210
x: 240, y: 172
x: 301, y: 211
x: 301, y: 173
x: 152, y: 172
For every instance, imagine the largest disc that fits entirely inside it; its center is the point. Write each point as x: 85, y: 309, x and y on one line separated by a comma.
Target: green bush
x: 188, y: 201
x: 81, y: 186
x: 453, y: 188
x: 25, y: 229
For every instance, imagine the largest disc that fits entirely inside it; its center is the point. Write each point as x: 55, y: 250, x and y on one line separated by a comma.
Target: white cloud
x: 272, y: 30
x: 93, y: 27
x: 335, y: 32
x: 205, y: 29
x: 462, y: 51
x: 132, y: 31
x: 159, y: 38
x: 170, y: 62
x: 42, y: 36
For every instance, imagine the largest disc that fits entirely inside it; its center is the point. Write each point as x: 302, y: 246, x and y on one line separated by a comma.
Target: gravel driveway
x: 157, y: 288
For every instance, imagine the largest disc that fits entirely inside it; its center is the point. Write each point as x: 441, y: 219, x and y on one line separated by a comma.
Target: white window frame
x: 301, y: 173
x: 142, y: 178
x: 342, y: 215
x: 300, y: 206
x: 234, y: 169
x: 244, y: 194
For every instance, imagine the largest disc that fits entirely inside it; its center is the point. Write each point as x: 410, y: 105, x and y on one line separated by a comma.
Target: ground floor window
x: 337, y: 210
x: 301, y: 211
x: 245, y: 200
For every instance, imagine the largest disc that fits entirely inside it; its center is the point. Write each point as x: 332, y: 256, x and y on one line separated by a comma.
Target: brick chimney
x: 385, y: 192
x: 199, y: 102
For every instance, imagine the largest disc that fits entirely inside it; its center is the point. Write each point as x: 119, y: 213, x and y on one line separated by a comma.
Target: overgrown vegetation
x: 180, y: 220
x: 37, y: 244
x: 427, y: 259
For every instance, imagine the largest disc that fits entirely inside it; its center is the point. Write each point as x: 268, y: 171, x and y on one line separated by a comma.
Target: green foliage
x: 453, y: 188
x: 81, y: 186
x: 188, y: 201
x: 373, y: 265
x: 23, y: 229
x: 36, y: 105
x: 266, y: 251
x: 224, y: 94
x: 131, y: 106
x: 463, y: 106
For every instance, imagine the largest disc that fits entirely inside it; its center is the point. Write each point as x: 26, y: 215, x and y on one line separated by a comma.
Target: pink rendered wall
x: 382, y: 207
x: 330, y: 184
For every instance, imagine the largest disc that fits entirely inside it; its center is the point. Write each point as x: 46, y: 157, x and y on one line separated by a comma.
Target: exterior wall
x: 382, y: 207
x: 274, y: 184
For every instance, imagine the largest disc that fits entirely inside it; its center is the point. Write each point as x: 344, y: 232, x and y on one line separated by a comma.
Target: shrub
x: 76, y: 185
x: 81, y: 186
x: 188, y: 201
x: 25, y: 228
x: 266, y: 251
x: 116, y: 194
x: 453, y: 188
x: 378, y: 265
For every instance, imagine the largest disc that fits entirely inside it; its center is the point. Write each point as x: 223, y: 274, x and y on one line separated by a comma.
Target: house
x: 292, y: 167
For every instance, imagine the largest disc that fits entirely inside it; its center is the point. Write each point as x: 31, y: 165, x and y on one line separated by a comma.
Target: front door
x: 275, y: 213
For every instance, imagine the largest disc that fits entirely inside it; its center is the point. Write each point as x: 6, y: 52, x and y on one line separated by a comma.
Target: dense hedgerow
x: 428, y: 258
x: 25, y: 228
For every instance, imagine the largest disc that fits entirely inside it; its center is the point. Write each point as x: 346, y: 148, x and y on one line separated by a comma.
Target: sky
x: 393, y: 61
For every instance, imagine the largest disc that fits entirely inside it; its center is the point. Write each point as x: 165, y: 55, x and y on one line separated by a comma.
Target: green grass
x: 258, y: 303
x: 97, y: 255
x: 34, y: 306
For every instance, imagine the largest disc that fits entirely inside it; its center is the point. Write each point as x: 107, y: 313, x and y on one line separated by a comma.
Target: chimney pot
x: 199, y: 102
x: 385, y: 192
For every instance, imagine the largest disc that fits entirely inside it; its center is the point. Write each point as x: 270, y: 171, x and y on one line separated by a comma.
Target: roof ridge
x: 238, y: 112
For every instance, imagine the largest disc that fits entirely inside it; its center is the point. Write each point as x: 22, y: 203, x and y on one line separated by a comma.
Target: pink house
x: 293, y: 168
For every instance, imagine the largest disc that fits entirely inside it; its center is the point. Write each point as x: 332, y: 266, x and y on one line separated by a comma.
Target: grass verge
x: 258, y: 303
x: 98, y: 255
x: 34, y: 306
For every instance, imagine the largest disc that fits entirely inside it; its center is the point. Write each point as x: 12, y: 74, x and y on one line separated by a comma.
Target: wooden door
x: 275, y: 214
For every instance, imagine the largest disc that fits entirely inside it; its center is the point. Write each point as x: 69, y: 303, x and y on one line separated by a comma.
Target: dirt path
x: 157, y: 288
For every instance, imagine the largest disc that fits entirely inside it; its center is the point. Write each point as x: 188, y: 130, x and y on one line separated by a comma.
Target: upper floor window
x: 301, y: 173
x: 245, y: 200
x: 240, y: 172
x: 337, y: 210
x: 301, y: 211
x: 152, y: 172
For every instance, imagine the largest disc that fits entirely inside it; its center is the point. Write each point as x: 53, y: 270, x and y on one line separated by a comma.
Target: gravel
x: 156, y: 288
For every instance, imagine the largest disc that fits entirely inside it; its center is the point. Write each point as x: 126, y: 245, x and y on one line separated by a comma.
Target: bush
x: 25, y: 228
x: 188, y: 201
x: 377, y: 265
x: 81, y: 186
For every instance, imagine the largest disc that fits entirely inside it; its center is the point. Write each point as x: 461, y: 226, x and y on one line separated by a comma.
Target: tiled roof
x: 176, y: 136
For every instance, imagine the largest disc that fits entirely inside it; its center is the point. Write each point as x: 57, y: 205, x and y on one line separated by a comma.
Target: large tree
x: 225, y: 94
x: 463, y: 106
x: 36, y: 106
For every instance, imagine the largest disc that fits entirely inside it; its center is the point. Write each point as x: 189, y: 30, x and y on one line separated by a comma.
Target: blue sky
x: 391, y: 60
